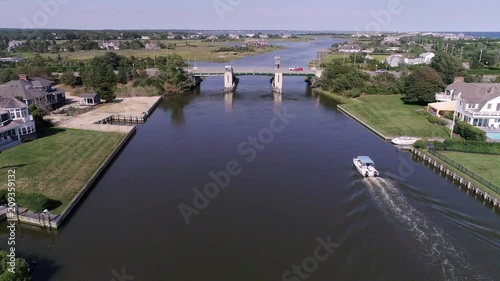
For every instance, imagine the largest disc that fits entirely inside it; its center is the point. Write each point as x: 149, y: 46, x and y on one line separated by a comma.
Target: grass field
x: 192, y: 50
x: 391, y: 117
x: 462, y: 160
x: 59, y: 164
x: 484, y: 165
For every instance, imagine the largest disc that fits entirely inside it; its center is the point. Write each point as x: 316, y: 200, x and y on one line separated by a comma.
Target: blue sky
x: 362, y: 15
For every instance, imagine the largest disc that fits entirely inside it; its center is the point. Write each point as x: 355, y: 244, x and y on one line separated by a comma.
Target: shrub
x: 448, y: 116
x: 469, y: 132
x: 3, y: 196
x: 419, y: 144
x: 36, y: 202
x: 479, y: 147
x: 436, y: 120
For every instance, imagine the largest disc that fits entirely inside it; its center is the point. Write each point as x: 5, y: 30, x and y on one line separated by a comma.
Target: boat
x: 365, y: 166
x: 404, y: 140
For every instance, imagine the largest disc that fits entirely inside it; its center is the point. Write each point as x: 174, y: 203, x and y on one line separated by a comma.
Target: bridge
x: 231, y: 75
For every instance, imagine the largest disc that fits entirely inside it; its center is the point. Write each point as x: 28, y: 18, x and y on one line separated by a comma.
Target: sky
x: 314, y: 15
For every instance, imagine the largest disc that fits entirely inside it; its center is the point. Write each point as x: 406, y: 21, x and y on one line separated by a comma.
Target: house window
x: 489, y: 105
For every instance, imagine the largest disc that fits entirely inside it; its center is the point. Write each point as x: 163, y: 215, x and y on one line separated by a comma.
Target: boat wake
x: 432, y: 240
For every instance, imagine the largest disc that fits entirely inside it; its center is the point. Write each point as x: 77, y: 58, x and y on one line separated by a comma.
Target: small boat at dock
x: 404, y: 140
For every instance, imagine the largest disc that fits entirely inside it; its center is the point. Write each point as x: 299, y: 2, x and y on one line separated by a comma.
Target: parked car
x: 381, y: 71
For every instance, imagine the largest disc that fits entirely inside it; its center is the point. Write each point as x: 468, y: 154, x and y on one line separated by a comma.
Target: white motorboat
x: 365, y: 166
x: 404, y: 140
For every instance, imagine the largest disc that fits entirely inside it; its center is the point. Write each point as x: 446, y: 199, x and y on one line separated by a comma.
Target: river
x: 294, y: 207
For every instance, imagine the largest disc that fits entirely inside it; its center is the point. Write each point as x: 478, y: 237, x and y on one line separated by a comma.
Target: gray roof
x: 89, y: 95
x: 476, y: 93
x: 11, y: 103
x: 40, y: 82
x: 20, y: 88
x: 12, y: 125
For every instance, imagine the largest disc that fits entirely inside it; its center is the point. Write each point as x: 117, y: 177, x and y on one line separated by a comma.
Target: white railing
x: 484, y: 113
x: 443, y: 97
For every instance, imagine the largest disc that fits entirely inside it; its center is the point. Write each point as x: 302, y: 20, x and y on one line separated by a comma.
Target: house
x: 395, y: 60
x: 427, y: 57
x: 323, y: 53
x: 13, y: 44
x: 391, y: 40
x: 110, y: 45
x: 350, y: 48
x: 145, y: 38
x: 90, y: 99
x: 16, y: 124
x: 256, y: 43
x: 34, y: 90
x: 152, y: 46
x: 12, y: 59
x: 476, y: 103
x: 234, y: 36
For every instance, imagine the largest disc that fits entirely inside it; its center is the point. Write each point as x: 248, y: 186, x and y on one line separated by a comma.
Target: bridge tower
x: 229, y: 81
x: 278, y: 82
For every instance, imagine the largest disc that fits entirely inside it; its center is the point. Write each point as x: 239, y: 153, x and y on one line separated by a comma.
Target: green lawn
x: 391, y: 117
x: 485, y: 166
x: 58, y: 165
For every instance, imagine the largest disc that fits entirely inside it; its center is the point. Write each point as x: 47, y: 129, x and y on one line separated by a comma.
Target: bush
x: 36, y: 202
x: 433, y: 119
x: 469, y: 132
x: 3, y: 196
x: 419, y: 144
x: 479, y: 147
x: 448, y: 116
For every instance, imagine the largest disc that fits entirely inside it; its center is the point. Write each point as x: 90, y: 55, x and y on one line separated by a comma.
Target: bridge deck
x: 240, y: 71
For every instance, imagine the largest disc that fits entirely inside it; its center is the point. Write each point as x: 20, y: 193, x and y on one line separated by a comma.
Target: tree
x: 448, y: 67
x: 497, y: 79
x: 70, y: 79
x: 21, y: 272
x: 99, y: 76
x: 421, y: 86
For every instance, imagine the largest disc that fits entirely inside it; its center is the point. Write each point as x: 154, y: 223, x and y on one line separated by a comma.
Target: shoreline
x: 55, y: 221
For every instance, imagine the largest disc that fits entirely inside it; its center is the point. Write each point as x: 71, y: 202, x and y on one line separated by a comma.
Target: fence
x: 465, y: 171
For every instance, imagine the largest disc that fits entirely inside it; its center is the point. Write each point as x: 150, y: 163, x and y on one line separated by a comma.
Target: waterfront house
x: 90, y: 99
x: 476, y: 103
x: 323, y: 53
x: 350, y: 48
x: 16, y: 125
x: 152, y: 46
x: 35, y: 90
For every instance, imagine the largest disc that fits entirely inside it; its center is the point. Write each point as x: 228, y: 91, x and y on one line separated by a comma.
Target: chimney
x: 23, y: 77
x: 459, y: 79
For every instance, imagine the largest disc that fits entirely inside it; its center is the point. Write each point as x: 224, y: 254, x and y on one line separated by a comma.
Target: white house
x: 425, y: 58
x: 395, y: 60
x: 16, y: 124
x: 477, y: 103
x: 350, y: 48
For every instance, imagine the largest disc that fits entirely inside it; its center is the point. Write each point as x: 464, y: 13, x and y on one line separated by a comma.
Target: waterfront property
x: 16, y: 124
x: 476, y: 103
x: 34, y: 90
x: 350, y: 48
x: 391, y: 117
x: 59, y: 164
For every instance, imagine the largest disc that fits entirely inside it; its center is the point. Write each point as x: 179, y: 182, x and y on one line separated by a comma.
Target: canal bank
x: 54, y: 221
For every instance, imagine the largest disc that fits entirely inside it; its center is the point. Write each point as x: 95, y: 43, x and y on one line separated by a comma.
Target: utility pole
x: 452, y: 50
x: 481, y: 55
x: 462, y: 53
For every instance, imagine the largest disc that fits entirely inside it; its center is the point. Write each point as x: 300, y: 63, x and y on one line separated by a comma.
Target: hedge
x: 3, y: 196
x: 469, y: 132
x: 419, y: 144
x: 480, y: 147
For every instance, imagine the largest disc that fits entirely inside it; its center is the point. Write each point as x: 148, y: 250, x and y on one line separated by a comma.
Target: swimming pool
x: 493, y: 136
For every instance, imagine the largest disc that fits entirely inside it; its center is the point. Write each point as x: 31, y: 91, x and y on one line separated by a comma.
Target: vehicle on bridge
x: 296, y: 69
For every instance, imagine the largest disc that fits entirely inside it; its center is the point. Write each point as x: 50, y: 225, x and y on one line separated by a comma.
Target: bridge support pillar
x: 278, y: 83
x: 228, y: 101
x: 229, y: 81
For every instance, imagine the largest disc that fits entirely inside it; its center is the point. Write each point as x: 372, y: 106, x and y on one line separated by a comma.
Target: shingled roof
x: 476, y: 93
x: 20, y: 88
x: 11, y: 103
